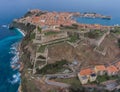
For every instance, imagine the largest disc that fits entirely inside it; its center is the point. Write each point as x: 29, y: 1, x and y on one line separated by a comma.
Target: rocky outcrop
x: 27, y: 52
x: 23, y: 26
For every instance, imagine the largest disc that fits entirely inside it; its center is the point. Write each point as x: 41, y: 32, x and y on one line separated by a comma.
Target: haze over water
x: 16, y: 8
x: 11, y: 9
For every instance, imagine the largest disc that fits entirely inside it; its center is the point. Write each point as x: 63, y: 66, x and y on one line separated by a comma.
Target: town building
x: 118, y: 65
x: 112, y: 70
x: 100, y: 69
x: 86, y: 75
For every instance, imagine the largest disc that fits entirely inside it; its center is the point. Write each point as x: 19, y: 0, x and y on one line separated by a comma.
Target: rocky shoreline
x: 21, y: 47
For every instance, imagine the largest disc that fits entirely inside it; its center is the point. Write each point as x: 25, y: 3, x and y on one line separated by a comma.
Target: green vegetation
x: 106, y: 78
x: 24, y: 58
x: 73, y: 38
x: 50, y: 33
x: 76, y: 88
x: 74, y: 26
x: 53, y: 90
x: 82, y: 29
x: 94, y: 34
x: 116, y: 30
x: 56, y: 42
x: 70, y: 81
x: 39, y: 29
x: 102, y: 78
x: 52, y: 68
x: 28, y: 85
x: 42, y: 48
x: 32, y: 36
x: 119, y: 43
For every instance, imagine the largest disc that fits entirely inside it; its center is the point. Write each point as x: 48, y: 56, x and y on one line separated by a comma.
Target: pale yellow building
x: 118, y: 65
x: 87, y: 75
x: 112, y: 70
x: 100, y: 69
x: 92, y: 77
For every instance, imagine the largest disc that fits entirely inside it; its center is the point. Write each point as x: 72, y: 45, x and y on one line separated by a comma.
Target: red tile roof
x: 112, y: 68
x: 86, y: 71
x: 118, y: 64
x: 100, y: 67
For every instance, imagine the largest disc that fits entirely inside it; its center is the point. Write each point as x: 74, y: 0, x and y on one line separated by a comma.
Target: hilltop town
x: 60, y: 55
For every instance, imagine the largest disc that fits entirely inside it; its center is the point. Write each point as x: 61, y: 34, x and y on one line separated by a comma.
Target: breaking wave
x: 20, y: 31
x: 4, y: 26
x: 15, y: 60
x: 15, y: 64
x: 15, y: 78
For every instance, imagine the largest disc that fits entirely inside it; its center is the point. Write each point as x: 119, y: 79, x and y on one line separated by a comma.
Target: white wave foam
x: 13, y: 49
x: 15, y: 64
x: 11, y: 52
x: 15, y: 60
x: 15, y: 78
x: 20, y: 31
x: 4, y: 26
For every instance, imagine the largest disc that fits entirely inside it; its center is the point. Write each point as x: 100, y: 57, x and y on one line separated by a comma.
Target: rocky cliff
x: 27, y: 52
x: 24, y: 27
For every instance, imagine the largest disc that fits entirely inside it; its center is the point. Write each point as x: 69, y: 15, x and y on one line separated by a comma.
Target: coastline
x: 21, y: 32
x: 22, y: 29
x: 19, y: 62
x: 18, y: 50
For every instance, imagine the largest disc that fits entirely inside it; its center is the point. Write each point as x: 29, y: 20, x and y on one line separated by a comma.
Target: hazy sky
x: 62, y: 4
x: 13, y: 8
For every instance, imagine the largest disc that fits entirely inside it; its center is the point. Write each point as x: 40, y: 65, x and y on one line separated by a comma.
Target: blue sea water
x: 9, y: 78
x: 9, y: 39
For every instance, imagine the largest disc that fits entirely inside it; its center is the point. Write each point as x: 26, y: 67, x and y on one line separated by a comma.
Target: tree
x: 119, y: 42
x: 76, y: 88
x: 39, y: 29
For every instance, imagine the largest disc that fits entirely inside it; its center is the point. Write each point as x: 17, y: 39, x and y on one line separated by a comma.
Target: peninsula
x: 58, y: 54
x: 93, y: 15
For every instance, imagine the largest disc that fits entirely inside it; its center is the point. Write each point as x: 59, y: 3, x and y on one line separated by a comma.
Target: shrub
x: 39, y: 29
x: 53, y: 68
x: 119, y: 42
x: 42, y: 48
x: 32, y: 36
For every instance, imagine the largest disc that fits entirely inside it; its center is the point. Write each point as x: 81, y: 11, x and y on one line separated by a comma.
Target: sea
x: 10, y: 39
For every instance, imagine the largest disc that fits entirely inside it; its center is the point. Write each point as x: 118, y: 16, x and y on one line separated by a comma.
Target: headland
x: 59, y: 54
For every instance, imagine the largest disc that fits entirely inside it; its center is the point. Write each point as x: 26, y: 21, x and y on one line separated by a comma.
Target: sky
x: 10, y: 9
